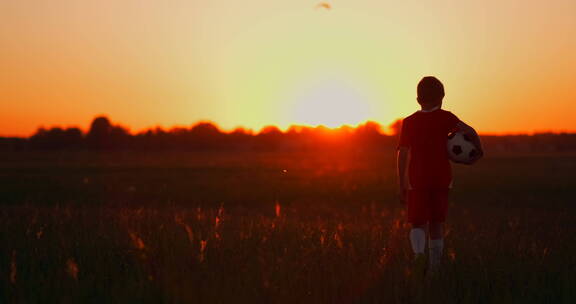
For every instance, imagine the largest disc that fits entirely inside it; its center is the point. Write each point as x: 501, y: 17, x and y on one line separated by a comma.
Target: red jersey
x: 425, y: 133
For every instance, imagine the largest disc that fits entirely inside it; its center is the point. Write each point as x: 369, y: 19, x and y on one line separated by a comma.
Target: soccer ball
x: 460, y: 148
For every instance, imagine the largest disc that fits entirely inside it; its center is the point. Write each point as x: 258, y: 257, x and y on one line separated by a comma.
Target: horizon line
x: 381, y: 128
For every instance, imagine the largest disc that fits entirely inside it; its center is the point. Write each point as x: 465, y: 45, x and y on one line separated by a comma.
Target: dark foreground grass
x: 323, y: 231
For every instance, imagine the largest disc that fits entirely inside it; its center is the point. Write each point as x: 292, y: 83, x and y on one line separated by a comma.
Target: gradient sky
x: 508, y: 66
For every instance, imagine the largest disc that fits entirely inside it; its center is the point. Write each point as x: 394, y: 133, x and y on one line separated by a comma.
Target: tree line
x: 105, y: 135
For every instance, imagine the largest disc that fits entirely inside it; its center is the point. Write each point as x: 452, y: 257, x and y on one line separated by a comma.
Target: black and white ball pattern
x: 460, y: 148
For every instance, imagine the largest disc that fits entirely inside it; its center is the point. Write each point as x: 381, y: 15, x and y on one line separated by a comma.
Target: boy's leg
x: 436, y: 244
x: 417, y: 212
x: 418, y: 239
x: 436, y: 230
x: 439, y: 209
x: 418, y: 242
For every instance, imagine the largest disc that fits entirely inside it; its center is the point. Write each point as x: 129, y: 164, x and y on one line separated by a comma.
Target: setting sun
x: 332, y: 104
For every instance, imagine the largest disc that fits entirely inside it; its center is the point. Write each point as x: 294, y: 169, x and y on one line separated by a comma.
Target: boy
x: 424, y: 171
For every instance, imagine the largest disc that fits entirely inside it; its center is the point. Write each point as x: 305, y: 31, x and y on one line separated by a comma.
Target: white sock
x: 418, y: 240
x: 436, y: 247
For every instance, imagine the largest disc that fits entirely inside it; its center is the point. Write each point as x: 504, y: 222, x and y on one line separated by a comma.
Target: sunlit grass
x: 315, y: 233
x: 181, y: 255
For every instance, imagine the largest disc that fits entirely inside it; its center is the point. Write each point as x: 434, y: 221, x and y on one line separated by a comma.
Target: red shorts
x: 427, y: 205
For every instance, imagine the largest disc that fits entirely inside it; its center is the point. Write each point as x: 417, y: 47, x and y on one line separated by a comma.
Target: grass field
x: 79, y: 227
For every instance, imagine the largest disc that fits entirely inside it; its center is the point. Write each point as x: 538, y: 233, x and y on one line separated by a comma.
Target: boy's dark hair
x: 430, y: 91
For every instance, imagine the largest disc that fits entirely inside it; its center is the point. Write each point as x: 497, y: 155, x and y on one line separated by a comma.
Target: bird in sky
x: 324, y: 5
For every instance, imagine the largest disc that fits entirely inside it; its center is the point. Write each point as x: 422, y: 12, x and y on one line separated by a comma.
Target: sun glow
x: 257, y: 63
x: 331, y: 104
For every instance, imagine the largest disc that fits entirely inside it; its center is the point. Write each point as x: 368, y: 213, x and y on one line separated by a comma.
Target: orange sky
x: 508, y: 66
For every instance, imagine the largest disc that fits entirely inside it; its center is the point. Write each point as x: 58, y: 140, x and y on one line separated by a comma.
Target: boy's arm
x: 402, y: 165
x: 468, y: 130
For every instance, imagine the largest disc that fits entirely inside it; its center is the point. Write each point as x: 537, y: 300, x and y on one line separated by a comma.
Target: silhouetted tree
x: 120, y: 137
x: 153, y: 139
x: 369, y: 135
x: 56, y: 138
x: 13, y: 144
x: 205, y: 129
x: 104, y: 135
x: 240, y: 139
x: 98, y: 136
x: 205, y: 135
x: 269, y: 138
